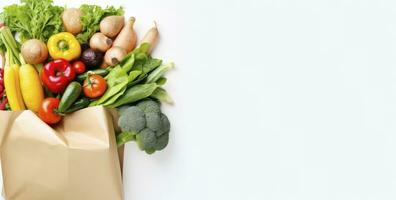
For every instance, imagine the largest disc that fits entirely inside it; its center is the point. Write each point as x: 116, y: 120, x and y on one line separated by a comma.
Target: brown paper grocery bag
x: 75, y: 160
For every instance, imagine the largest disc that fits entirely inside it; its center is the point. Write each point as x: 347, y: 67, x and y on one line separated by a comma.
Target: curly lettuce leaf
x: 38, y: 19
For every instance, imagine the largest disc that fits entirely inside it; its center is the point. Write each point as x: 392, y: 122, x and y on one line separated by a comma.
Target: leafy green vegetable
x: 137, y: 80
x: 116, y: 76
x: 92, y: 15
x: 162, y: 95
x: 116, y: 96
x: 135, y: 93
x: 116, y: 90
x: 38, y: 19
x: 145, y: 67
x: 143, y: 48
x: 133, y: 75
x: 132, y: 70
x: 161, y: 81
x: 127, y: 65
x: 151, y: 64
x: 117, y: 82
x: 159, y: 72
x: 144, y: 123
x: 136, y: 77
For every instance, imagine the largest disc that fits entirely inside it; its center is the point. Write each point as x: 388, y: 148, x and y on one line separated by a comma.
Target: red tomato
x: 79, y: 67
x: 94, y: 86
x: 47, y: 111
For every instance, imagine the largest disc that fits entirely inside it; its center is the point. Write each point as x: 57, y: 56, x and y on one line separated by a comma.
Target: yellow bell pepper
x: 64, y: 45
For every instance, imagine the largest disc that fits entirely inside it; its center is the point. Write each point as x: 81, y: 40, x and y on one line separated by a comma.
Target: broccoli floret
x: 146, y: 139
x: 150, y: 151
x: 122, y: 109
x: 149, y: 106
x: 162, y: 142
x: 165, y: 125
x: 132, y: 120
x: 125, y: 137
x: 153, y: 121
x: 145, y: 124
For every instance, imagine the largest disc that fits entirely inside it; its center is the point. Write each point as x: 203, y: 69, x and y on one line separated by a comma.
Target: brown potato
x: 71, y: 20
x: 34, y: 51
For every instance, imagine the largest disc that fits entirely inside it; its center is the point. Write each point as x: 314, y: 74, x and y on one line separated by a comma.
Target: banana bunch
x: 21, y: 82
x: 23, y: 87
x: 12, y: 86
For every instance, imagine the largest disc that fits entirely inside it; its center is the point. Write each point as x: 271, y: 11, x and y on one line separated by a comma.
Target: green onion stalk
x: 12, y: 50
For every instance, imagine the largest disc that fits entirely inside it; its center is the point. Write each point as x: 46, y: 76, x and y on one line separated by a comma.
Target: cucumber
x: 101, y: 72
x: 78, y: 105
x: 70, y: 95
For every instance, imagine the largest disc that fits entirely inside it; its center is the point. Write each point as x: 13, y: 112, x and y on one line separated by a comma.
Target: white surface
x: 276, y: 100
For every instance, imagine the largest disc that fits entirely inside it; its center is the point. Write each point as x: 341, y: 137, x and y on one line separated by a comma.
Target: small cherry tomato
x: 94, y: 86
x: 79, y: 67
x: 47, y: 111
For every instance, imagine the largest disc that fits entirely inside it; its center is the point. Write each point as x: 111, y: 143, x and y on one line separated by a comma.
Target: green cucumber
x: 101, y: 72
x: 70, y: 95
x: 78, y: 105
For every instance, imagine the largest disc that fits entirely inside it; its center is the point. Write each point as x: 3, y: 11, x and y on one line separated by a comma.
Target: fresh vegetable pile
x: 55, y: 61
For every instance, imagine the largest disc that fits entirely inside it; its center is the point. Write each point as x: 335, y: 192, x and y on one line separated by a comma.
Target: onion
x: 34, y: 51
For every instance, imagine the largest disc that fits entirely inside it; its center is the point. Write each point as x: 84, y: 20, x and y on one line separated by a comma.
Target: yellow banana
x: 11, y: 83
x: 32, y: 91
x: 18, y: 86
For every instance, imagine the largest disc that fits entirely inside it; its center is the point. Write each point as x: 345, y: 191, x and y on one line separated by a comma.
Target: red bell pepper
x: 57, y: 74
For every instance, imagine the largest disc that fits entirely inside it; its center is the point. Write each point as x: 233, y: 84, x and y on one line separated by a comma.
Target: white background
x: 275, y: 100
